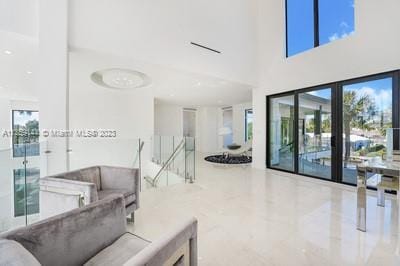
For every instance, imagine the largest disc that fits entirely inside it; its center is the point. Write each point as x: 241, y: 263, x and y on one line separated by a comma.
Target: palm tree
x: 353, y: 107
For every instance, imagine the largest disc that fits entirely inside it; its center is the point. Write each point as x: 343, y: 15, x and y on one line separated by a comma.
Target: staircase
x: 173, y: 161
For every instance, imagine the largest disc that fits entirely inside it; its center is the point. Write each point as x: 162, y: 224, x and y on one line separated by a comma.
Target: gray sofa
x: 96, y: 235
x: 71, y: 190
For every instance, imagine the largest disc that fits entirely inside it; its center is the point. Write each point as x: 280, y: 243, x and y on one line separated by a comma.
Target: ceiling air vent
x: 205, y: 47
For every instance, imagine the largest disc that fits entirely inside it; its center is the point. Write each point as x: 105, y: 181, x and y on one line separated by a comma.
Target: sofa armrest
x: 120, y: 178
x: 70, y: 187
x: 170, y: 248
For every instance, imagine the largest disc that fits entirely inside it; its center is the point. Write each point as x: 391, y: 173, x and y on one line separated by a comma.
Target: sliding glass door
x: 315, y: 132
x: 281, y: 132
x: 367, y: 113
x: 325, y: 131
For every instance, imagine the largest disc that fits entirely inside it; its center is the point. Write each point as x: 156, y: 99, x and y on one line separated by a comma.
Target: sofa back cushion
x: 90, y: 174
x: 14, y: 254
x: 72, y: 238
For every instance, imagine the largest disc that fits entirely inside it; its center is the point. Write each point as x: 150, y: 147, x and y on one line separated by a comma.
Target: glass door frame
x: 337, y: 121
x: 333, y: 88
x: 394, y: 75
x: 268, y: 120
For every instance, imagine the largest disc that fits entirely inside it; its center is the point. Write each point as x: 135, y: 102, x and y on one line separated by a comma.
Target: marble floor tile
x: 264, y: 217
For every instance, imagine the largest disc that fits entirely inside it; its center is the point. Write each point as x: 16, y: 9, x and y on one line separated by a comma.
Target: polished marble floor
x: 264, y: 217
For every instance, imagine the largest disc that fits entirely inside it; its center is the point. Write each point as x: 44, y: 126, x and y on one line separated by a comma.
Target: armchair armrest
x: 177, y: 246
x: 69, y: 187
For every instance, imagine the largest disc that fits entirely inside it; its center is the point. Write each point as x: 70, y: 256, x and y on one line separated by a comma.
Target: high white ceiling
x: 18, y: 64
x: 18, y: 49
x: 168, y: 85
x: 20, y: 16
x: 161, y: 32
x: 145, y: 35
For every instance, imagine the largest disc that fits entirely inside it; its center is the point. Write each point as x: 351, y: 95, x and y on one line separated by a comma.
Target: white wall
x: 5, y: 122
x: 209, y: 119
x: 129, y: 112
x: 168, y: 120
x: 374, y: 48
x: 53, y: 76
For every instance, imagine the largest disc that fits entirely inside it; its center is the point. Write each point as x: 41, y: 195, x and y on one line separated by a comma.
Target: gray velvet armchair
x: 96, y: 235
x: 70, y: 190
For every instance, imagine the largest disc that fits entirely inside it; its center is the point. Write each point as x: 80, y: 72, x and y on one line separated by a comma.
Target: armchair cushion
x: 14, y: 254
x: 129, y: 195
x: 127, y: 246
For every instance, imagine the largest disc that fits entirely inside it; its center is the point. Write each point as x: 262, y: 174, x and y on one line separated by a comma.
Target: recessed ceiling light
x: 116, y: 78
x: 29, y: 72
x: 198, y: 83
x: 8, y: 52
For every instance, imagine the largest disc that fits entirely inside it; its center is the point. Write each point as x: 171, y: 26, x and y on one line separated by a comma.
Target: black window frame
x: 278, y: 95
x: 337, y: 141
x: 316, y: 27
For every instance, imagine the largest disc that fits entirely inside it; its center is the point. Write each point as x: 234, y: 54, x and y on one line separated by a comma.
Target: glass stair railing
x: 20, y: 170
x: 173, y: 161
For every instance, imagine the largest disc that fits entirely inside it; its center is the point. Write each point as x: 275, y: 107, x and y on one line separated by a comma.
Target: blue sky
x: 380, y: 90
x: 336, y: 20
x: 323, y: 93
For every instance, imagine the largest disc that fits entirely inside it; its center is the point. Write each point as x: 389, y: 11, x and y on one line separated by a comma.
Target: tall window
x: 248, y: 124
x: 311, y: 23
x: 25, y: 126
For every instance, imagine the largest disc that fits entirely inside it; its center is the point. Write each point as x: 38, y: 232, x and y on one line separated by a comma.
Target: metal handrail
x: 141, y: 144
x: 154, y: 181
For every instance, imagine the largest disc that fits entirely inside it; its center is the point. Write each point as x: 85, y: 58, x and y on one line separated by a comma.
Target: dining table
x: 386, y: 168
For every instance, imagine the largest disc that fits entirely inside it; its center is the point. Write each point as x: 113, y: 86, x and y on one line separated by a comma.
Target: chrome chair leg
x: 381, y: 197
x: 131, y: 218
x: 361, y: 201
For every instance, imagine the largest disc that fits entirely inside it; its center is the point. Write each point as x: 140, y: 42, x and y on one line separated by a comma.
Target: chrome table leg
x: 381, y: 197
x: 361, y: 199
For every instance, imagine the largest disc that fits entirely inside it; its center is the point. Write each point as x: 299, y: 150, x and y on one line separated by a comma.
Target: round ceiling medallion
x: 122, y: 79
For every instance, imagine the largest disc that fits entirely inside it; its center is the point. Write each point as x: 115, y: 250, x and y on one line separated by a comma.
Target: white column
x: 53, y: 77
x: 259, y: 129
